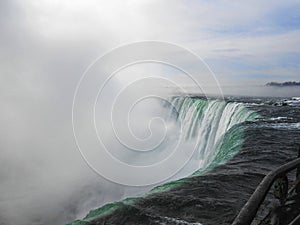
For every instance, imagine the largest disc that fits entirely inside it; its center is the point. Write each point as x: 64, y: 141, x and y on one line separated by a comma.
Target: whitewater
x: 213, y: 126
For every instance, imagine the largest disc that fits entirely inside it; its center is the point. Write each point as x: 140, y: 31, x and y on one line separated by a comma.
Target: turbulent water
x: 241, y: 139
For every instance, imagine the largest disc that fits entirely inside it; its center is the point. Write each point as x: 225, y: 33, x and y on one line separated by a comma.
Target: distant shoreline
x: 284, y: 84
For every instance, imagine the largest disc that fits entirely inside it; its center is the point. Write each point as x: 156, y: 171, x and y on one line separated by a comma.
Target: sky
x: 255, y: 41
x: 45, y: 47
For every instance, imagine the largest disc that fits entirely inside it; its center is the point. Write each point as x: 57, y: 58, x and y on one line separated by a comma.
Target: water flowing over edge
x: 217, y: 127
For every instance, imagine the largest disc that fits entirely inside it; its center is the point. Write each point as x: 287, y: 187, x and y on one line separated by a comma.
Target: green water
x: 226, y: 147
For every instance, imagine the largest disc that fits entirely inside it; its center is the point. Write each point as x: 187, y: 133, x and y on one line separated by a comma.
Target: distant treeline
x: 288, y: 83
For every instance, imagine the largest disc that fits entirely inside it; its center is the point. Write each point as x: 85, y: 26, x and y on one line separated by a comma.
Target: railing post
x: 248, y: 212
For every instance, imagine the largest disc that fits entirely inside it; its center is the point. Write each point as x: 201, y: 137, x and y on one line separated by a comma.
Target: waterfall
x: 214, y: 124
x: 209, y: 122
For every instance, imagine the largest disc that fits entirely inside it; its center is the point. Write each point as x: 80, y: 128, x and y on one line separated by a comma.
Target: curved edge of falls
x: 219, y: 126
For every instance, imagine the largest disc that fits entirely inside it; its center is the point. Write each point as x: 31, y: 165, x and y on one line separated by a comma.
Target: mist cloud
x: 47, y: 45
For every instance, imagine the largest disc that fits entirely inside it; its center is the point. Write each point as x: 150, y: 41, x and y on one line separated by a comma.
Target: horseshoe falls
x: 216, y: 129
x: 214, y: 124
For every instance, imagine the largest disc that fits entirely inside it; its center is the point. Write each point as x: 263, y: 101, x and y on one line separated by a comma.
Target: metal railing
x: 248, y: 212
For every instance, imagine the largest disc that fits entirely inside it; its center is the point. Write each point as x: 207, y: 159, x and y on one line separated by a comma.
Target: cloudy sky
x: 45, y: 46
x: 256, y: 40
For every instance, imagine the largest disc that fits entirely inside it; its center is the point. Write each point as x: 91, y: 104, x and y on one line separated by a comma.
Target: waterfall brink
x: 212, y: 123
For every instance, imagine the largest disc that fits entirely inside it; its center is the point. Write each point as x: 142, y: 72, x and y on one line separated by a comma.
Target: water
x: 245, y: 138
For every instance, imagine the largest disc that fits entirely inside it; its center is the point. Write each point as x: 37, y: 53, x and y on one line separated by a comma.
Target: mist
x: 46, y: 47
